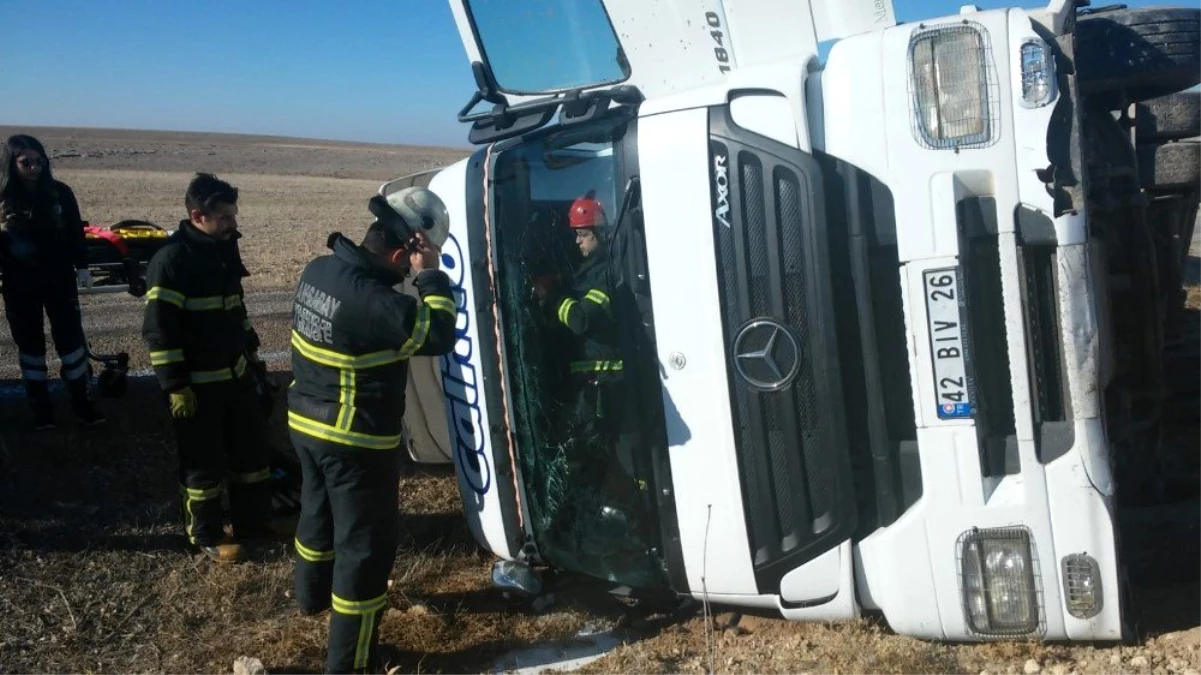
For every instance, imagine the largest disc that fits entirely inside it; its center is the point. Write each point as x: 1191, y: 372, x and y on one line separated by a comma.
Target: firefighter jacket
x: 352, y: 337
x: 587, y: 310
x: 195, y: 324
x: 45, y: 233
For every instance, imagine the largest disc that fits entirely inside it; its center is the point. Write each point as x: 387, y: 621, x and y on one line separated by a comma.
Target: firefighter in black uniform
x: 201, y: 344
x: 351, y: 340
x: 595, y: 427
x: 43, y: 258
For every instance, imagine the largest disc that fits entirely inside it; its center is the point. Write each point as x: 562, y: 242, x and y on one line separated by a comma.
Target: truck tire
x: 1169, y: 118
x: 1171, y: 165
x: 1145, y: 52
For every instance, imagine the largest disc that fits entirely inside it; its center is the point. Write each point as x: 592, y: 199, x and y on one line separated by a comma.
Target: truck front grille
x: 788, y: 431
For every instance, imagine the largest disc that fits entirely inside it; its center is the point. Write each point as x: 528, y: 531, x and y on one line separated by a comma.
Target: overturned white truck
x: 890, y: 320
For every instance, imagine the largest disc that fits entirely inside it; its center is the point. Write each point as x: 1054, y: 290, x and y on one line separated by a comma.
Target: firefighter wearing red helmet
x: 586, y: 309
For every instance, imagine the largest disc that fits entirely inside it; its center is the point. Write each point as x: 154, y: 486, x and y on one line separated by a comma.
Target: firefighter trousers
x: 224, y: 443
x: 346, y: 542
x: 27, y: 295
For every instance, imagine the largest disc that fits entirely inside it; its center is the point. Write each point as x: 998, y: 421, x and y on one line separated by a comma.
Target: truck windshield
x: 583, y: 399
x: 548, y: 46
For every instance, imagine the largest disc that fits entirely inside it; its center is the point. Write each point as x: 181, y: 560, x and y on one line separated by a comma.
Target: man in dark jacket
x: 352, y: 337
x: 200, y: 340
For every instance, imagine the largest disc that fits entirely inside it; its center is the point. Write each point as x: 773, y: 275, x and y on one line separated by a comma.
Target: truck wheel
x: 1175, y: 164
x: 1169, y: 118
x: 1145, y: 52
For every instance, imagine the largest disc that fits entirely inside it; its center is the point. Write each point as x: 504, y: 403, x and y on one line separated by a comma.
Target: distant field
x: 293, y: 192
x: 187, y: 152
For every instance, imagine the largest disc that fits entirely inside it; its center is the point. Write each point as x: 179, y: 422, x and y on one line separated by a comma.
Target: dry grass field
x: 94, y: 576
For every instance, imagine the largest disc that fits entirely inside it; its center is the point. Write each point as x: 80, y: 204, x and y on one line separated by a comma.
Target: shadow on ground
x: 95, y: 574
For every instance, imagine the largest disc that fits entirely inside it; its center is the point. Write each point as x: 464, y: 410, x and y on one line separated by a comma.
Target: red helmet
x: 586, y: 212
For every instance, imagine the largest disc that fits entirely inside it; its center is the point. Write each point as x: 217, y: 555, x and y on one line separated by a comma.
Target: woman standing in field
x: 42, y: 258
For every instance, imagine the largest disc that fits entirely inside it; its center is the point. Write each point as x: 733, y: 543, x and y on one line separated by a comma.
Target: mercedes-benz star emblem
x: 766, y: 354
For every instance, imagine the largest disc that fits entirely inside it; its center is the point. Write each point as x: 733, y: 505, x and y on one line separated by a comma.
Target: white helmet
x: 422, y: 211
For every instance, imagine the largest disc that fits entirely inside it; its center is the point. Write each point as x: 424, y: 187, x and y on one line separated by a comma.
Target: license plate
x: 951, y: 392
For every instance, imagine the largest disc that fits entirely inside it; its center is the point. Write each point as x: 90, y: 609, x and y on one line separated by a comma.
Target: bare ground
x: 94, y: 576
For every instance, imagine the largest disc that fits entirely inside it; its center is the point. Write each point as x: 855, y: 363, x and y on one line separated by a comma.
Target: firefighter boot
x: 39, y: 401
x: 82, y: 404
x: 226, y: 551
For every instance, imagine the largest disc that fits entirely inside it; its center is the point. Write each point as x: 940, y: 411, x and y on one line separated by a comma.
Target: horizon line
x: 466, y: 147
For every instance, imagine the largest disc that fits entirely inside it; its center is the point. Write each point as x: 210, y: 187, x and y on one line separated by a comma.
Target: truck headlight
x: 1038, y: 74
x: 953, y: 83
x: 999, y: 582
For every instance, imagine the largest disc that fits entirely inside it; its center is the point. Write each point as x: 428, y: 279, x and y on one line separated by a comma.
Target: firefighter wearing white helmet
x: 352, y: 337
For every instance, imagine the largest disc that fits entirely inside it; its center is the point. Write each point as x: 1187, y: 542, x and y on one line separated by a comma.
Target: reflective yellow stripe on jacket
x: 599, y: 297
x: 421, y: 328
x: 332, y: 359
x: 219, y: 375
x: 596, y: 366
x: 215, y: 302
x: 565, y: 308
x: 165, y: 295
x: 166, y: 356
x: 212, y: 303
x: 347, y: 366
x: 440, y: 303
x: 331, y: 433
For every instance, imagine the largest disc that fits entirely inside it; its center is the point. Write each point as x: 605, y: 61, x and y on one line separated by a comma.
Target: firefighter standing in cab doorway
x: 352, y: 339
x: 595, y: 428
x: 200, y: 341
x: 43, y: 257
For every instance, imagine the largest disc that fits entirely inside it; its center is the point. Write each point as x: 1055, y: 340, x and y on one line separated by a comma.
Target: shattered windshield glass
x: 547, y: 46
x: 583, y: 390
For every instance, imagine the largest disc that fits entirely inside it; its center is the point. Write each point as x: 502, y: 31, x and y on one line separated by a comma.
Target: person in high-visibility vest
x: 201, y: 344
x: 352, y: 338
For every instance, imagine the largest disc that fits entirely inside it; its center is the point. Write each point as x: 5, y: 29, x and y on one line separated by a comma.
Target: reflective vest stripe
x: 165, y: 295
x: 565, y: 310
x: 328, y: 357
x: 220, y: 375
x: 333, y: 434
x: 212, y: 302
x: 421, y: 328
x: 166, y: 356
x: 346, y: 399
x: 440, y: 303
x: 599, y: 297
x: 596, y: 366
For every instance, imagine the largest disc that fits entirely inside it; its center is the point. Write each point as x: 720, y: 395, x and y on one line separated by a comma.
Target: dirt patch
x: 94, y: 575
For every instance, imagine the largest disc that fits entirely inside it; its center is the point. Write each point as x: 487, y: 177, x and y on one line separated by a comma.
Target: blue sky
x: 388, y: 71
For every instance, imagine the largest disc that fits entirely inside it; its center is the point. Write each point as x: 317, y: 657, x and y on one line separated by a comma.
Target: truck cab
x: 860, y: 342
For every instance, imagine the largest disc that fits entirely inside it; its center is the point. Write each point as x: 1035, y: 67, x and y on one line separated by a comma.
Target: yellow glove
x: 183, y: 403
